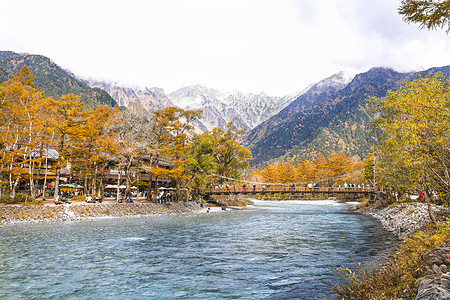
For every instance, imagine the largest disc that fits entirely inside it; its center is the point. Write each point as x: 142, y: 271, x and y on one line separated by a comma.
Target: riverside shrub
x: 397, y: 278
x: 19, y: 198
x: 79, y: 198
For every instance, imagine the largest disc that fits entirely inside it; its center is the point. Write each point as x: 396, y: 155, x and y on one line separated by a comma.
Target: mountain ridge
x: 151, y: 98
x: 245, y: 110
x: 324, y: 118
x: 51, y: 78
x: 328, y: 121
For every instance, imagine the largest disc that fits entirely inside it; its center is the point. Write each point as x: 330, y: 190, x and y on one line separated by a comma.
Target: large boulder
x: 436, y: 284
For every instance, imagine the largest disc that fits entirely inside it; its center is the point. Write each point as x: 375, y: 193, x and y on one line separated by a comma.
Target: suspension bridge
x: 249, y: 187
x: 288, y: 190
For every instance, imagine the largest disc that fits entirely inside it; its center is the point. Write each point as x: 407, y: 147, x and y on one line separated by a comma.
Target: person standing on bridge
x: 421, y: 197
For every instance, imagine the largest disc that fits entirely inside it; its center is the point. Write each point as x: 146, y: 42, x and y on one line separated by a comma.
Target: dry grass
x: 398, y: 277
x: 37, y: 202
x: 229, y: 201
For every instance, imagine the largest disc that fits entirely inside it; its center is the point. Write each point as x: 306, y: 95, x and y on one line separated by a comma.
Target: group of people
x: 291, y: 186
x: 90, y: 199
x: 128, y: 200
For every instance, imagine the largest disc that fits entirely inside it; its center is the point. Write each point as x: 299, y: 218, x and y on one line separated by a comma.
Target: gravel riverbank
x: 405, y: 219
x: 10, y: 214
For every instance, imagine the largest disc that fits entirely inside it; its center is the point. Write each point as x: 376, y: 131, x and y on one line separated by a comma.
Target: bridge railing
x: 281, y: 190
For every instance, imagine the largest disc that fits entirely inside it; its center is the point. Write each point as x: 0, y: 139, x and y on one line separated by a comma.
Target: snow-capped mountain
x: 150, y: 98
x: 245, y: 110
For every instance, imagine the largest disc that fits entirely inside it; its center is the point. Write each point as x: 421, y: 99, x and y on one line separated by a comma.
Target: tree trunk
x: 30, y: 163
x: 45, y: 175
x: 58, y: 176
x: 101, y: 187
x: 14, y: 187
x: 38, y: 175
x: 1, y: 181
x: 32, y: 189
x: 46, y: 167
x: 128, y: 184
x: 32, y: 183
x: 149, y: 188
x: 430, y: 209
x: 118, y: 185
x: 94, y: 181
x: 86, y: 188
x: 127, y: 178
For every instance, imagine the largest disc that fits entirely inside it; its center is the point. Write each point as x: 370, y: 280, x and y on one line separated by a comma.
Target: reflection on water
x: 274, y: 250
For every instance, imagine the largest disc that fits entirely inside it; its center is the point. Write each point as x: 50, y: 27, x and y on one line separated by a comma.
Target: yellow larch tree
x: 89, y: 147
x: 271, y: 173
x: 305, y: 171
x: 66, y: 122
x: 287, y: 172
x: 23, y: 129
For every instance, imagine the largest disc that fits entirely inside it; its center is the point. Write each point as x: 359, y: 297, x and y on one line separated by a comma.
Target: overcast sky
x: 275, y: 46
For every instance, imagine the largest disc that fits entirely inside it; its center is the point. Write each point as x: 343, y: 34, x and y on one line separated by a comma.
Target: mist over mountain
x: 245, y: 110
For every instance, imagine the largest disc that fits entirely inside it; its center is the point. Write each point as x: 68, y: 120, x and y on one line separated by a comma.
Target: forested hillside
x: 328, y: 120
x: 51, y: 78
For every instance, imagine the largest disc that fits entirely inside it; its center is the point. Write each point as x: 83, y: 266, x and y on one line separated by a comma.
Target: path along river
x: 272, y: 250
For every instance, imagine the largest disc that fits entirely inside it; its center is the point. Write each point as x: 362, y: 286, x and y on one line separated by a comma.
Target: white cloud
x: 274, y: 46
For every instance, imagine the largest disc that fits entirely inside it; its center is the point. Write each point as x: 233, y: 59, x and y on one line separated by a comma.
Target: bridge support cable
x: 281, y: 184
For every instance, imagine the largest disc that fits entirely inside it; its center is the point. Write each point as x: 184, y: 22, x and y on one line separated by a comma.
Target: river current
x: 272, y: 250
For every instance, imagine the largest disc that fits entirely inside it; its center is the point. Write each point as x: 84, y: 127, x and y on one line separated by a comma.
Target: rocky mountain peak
x: 338, y: 80
x: 157, y: 91
x: 245, y: 110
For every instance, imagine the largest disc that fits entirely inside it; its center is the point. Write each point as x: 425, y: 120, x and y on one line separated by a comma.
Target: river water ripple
x: 273, y: 250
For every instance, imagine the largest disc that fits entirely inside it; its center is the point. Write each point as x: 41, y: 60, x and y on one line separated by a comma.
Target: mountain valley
x: 325, y: 118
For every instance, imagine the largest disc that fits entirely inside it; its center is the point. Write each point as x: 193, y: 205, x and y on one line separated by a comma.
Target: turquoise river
x: 272, y: 250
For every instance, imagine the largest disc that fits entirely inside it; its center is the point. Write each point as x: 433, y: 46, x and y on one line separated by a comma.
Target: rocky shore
x: 405, y: 219
x: 22, y: 214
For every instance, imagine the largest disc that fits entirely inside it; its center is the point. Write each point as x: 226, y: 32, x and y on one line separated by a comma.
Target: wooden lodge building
x: 46, y: 175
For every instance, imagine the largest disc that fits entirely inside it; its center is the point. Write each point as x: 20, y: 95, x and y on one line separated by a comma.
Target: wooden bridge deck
x: 290, y: 190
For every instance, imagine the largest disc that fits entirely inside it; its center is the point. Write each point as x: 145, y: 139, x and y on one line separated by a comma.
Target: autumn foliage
x: 44, y: 138
x: 333, y: 169
x: 412, y: 124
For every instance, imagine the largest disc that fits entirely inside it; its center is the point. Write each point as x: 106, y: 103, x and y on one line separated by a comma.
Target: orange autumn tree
x: 287, y: 172
x: 305, y: 170
x: 89, y: 155
x: 280, y: 173
x: 229, y: 155
x: 322, y: 168
x: 23, y: 128
x: 171, y: 144
x: 339, y: 164
x: 255, y: 176
x: 271, y: 173
x: 66, y: 122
